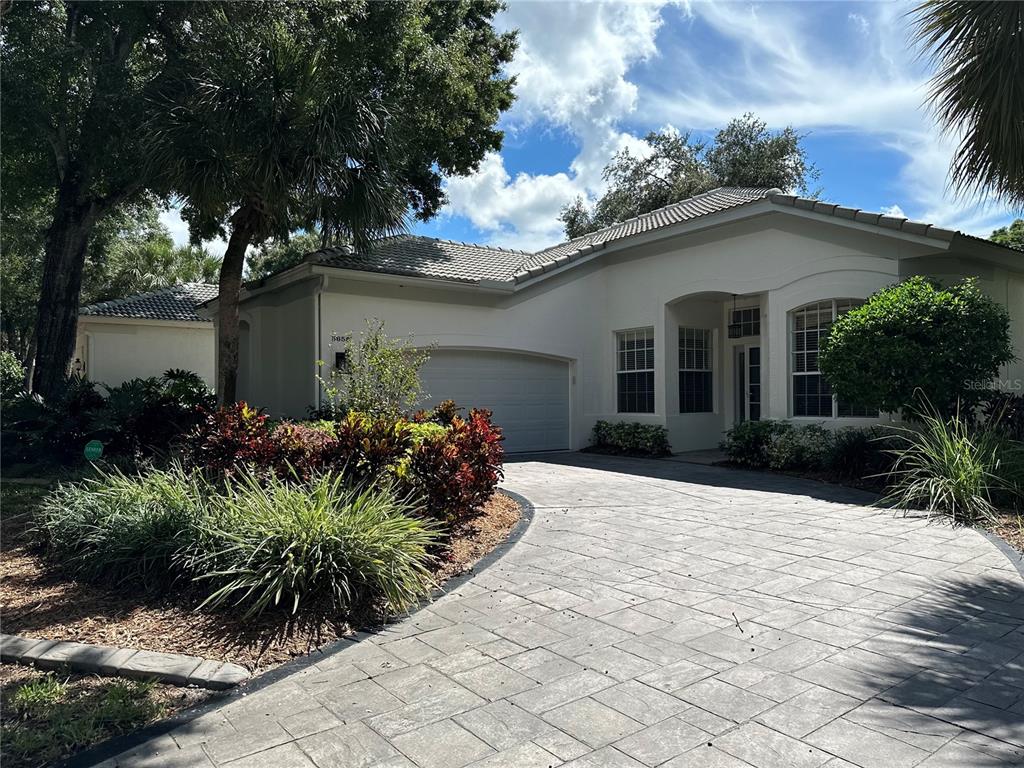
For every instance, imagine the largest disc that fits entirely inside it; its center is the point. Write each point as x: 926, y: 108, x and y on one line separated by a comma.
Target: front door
x: 747, y: 384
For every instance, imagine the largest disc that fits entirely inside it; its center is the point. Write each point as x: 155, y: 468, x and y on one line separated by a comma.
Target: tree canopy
x: 949, y: 343
x: 978, y: 90
x: 745, y: 153
x: 130, y: 251
x: 337, y: 117
x: 1011, y: 235
x: 275, y: 256
x: 78, y: 75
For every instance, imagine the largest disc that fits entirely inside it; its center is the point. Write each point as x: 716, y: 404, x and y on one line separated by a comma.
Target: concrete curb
x: 107, y: 660
x: 118, y: 744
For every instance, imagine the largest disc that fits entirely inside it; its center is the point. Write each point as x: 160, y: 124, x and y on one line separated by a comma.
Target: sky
x: 594, y: 77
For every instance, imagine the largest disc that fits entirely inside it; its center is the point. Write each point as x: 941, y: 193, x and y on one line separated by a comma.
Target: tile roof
x: 417, y: 256
x: 178, y: 302
x: 427, y: 257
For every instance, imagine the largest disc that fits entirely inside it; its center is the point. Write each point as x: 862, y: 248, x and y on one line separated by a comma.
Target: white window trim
x: 790, y: 330
x: 709, y: 357
x: 637, y: 332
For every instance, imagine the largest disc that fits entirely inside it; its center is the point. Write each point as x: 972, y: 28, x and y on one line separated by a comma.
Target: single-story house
x: 146, y: 334
x: 695, y: 316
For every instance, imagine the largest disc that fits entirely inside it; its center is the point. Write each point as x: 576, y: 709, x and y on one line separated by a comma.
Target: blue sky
x: 594, y: 77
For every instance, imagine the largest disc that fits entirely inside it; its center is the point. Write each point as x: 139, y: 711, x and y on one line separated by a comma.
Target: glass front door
x: 747, y: 384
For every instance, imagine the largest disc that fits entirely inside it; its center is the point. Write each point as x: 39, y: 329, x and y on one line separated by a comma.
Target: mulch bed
x: 1010, y: 528
x: 37, y: 600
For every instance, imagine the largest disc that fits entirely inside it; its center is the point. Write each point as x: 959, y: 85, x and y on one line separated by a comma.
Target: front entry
x: 747, y: 384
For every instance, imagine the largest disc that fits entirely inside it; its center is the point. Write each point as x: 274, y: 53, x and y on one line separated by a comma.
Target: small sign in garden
x: 93, y: 450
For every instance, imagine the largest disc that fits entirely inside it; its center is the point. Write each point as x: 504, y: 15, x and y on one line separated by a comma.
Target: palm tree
x: 268, y: 134
x: 978, y: 89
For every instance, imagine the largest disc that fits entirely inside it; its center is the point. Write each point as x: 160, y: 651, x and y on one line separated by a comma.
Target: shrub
x: 806, y: 448
x: 631, y: 438
x: 320, y: 546
x: 54, y: 430
x: 121, y: 528
x: 303, y: 449
x: 12, y: 376
x: 443, y: 413
x: 367, y: 446
x: 949, y: 469
x: 915, y: 335
x: 749, y: 442
x: 453, y: 473
x: 861, y: 454
x: 230, y: 436
x: 1004, y: 411
x: 380, y: 376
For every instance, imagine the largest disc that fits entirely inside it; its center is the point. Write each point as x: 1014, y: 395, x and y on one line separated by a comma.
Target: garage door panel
x: 529, y: 395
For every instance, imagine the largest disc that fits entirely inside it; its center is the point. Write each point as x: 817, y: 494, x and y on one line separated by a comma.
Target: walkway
x: 667, y: 614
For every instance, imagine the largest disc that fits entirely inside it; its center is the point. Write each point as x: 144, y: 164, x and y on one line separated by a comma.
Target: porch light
x: 735, y: 327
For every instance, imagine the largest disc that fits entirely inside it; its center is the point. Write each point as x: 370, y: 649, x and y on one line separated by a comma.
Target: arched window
x: 811, y: 394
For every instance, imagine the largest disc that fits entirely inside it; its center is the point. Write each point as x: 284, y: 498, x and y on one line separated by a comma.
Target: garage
x: 529, y: 395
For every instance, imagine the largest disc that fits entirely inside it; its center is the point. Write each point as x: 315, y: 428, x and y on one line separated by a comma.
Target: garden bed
x: 37, y: 600
x: 47, y: 716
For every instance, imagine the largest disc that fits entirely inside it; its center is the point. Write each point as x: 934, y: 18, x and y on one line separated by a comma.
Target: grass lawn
x: 47, y: 715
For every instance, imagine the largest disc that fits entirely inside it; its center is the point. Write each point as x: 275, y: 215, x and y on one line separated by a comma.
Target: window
x: 745, y: 321
x: 635, y: 370
x: 695, y: 371
x: 812, y: 395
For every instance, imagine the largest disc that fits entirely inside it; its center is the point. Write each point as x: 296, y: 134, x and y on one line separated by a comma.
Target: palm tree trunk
x: 57, y: 319
x: 243, y: 225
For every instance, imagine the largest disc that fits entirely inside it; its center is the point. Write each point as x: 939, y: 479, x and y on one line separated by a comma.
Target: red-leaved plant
x: 230, y: 436
x: 456, y: 472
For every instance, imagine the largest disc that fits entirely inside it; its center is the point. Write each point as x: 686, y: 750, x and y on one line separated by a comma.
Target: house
x: 146, y: 334
x: 695, y: 316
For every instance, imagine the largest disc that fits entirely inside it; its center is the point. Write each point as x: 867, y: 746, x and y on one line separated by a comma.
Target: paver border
x: 1016, y: 558
x: 118, y: 744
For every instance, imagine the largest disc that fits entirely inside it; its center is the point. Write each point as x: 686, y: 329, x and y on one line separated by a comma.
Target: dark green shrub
x: 12, y: 376
x: 631, y: 438
x: 749, y: 442
x: 948, y: 343
x: 316, y: 547
x: 1004, y: 412
x: 806, y: 448
x: 123, y: 528
x: 861, y: 454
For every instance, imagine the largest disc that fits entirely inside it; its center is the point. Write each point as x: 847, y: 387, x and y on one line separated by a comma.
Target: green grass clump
x: 951, y: 469
x: 321, y: 546
x: 39, y: 696
x: 120, y: 528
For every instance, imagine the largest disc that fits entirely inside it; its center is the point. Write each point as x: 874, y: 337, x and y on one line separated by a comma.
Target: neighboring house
x: 695, y: 316
x: 146, y: 334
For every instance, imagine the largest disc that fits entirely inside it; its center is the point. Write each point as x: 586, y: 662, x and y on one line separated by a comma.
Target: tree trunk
x: 57, y: 319
x: 243, y: 225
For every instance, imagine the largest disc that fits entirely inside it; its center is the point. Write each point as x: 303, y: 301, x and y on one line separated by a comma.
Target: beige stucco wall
x: 783, y: 260
x: 114, y: 350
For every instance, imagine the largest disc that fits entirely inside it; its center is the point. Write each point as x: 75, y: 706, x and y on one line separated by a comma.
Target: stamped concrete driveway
x: 667, y: 614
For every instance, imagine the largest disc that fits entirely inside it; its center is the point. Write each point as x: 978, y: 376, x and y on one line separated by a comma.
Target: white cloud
x: 571, y: 71
x: 893, y: 210
x: 171, y: 218
x: 786, y: 71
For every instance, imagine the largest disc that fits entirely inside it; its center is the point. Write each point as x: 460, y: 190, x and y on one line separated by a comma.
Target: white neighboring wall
x: 111, y: 350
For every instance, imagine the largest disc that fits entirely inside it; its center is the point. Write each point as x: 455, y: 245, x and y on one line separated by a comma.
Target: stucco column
x: 774, y: 358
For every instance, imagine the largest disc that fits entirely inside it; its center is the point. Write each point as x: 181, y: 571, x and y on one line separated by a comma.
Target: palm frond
x: 977, y: 91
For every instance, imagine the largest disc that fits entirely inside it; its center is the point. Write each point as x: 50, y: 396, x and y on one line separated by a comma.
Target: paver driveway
x: 660, y: 613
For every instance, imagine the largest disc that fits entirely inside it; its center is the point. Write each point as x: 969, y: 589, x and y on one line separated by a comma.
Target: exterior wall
x: 781, y: 260
x: 114, y: 350
x: 277, y: 351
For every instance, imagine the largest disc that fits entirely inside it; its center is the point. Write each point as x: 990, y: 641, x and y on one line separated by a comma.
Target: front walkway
x: 663, y: 613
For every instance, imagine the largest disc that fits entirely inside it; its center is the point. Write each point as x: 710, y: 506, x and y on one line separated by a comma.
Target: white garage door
x: 529, y: 395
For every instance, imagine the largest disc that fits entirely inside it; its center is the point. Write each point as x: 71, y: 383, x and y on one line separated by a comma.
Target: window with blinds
x: 635, y: 370
x: 695, y: 371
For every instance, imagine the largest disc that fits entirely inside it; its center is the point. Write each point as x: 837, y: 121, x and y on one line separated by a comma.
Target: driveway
x: 661, y: 613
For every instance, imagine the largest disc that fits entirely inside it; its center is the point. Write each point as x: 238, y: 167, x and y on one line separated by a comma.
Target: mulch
x: 37, y: 600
